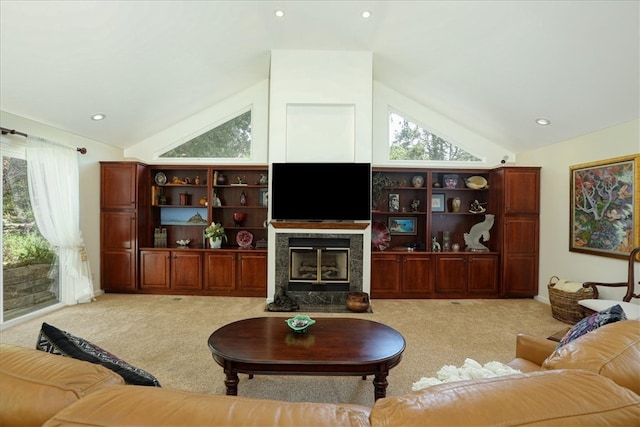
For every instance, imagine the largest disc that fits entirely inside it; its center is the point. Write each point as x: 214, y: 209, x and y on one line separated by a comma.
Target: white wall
x: 89, y: 178
x: 555, y: 258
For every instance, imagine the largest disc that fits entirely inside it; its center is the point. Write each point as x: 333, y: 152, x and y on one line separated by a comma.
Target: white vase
x: 215, y: 243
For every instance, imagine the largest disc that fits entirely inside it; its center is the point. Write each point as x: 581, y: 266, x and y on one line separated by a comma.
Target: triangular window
x: 231, y: 139
x: 409, y: 141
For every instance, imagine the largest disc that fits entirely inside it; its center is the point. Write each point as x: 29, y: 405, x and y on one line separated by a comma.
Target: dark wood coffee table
x: 332, y: 346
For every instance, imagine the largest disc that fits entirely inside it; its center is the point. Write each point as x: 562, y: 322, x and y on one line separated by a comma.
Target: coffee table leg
x: 380, y: 384
x: 231, y: 382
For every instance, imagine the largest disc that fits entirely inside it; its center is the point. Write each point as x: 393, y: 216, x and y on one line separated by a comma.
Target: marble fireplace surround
x: 321, y: 298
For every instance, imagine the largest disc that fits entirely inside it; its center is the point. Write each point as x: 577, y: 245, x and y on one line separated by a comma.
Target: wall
x: 555, y: 257
x: 89, y: 178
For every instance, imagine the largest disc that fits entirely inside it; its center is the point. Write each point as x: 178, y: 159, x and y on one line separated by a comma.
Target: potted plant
x: 379, y: 183
x: 215, y: 233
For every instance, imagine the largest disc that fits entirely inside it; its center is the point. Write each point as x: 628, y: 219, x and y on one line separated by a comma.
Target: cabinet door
x: 385, y: 275
x: 521, y: 191
x: 186, y: 270
x: 220, y: 272
x: 520, y: 276
x: 118, y: 185
x: 118, y: 269
x: 155, y: 270
x: 483, y: 274
x: 416, y: 274
x: 118, y: 230
x: 252, y: 273
x: 451, y: 274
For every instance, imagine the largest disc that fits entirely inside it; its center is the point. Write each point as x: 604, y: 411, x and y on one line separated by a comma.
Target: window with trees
x: 231, y: 139
x: 409, y: 141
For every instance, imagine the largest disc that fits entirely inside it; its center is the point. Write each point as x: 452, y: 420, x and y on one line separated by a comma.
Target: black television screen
x: 321, y: 191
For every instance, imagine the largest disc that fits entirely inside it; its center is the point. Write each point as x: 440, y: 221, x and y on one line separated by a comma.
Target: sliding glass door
x: 29, y: 273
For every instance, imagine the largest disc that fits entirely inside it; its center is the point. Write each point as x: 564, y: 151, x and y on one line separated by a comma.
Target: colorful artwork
x: 604, y: 207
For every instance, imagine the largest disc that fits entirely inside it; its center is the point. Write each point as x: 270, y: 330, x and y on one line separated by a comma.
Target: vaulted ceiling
x: 491, y: 66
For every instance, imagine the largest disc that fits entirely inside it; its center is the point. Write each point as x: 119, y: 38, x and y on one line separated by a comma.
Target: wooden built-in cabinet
x: 164, y: 270
x: 124, y: 223
x: 138, y: 199
x: 241, y: 273
x: 425, y: 197
x: 395, y: 275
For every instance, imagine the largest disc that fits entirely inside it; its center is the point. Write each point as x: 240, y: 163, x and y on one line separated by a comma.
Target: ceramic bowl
x: 476, y: 182
x: 300, y: 323
x: 183, y: 242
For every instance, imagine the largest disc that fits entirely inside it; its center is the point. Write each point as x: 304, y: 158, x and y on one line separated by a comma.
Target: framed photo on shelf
x: 437, y: 202
x: 403, y: 225
x: 604, y: 214
x: 394, y: 202
x: 263, y: 197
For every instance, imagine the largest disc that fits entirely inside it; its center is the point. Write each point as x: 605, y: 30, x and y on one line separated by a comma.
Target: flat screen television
x: 321, y: 191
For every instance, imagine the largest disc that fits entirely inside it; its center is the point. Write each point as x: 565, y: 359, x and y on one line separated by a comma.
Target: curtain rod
x: 5, y: 131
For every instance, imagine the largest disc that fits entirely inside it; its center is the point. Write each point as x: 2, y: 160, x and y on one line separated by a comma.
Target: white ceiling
x: 491, y: 66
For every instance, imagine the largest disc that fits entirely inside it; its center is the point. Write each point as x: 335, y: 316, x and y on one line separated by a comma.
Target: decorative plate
x: 417, y: 181
x: 244, y: 238
x: 380, y: 236
x: 161, y: 178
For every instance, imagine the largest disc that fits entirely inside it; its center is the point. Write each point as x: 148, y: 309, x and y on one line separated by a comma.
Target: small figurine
x: 243, y: 199
x: 187, y: 180
x: 435, y: 246
x: 476, y: 207
x: 196, y: 181
x: 263, y: 179
x: 414, y: 205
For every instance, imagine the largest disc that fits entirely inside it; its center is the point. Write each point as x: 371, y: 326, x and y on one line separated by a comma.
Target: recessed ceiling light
x: 543, y: 122
x: 98, y: 117
x: 366, y: 14
x: 279, y: 13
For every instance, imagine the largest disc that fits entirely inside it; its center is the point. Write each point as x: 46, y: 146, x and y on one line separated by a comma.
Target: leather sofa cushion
x: 612, y: 350
x: 35, y: 385
x: 542, y: 398
x: 146, y: 406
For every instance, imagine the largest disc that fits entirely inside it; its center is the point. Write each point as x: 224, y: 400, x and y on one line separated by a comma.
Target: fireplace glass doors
x: 319, y: 261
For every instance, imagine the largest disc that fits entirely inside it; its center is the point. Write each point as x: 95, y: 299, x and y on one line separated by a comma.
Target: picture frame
x: 405, y: 225
x: 604, y: 217
x: 263, y: 197
x: 394, y: 202
x: 437, y: 202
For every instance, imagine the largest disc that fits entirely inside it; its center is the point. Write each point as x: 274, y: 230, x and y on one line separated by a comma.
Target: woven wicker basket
x: 564, y: 305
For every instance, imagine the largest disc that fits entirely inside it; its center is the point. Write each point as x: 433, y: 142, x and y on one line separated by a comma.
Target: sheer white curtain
x: 52, y: 172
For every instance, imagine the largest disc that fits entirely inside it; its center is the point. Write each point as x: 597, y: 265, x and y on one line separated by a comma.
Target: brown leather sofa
x: 594, y: 380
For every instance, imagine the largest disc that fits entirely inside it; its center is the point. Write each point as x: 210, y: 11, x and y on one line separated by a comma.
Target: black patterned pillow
x: 596, y: 320
x: 55, y: 341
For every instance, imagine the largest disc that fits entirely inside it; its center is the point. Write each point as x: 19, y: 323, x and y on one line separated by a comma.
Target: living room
x: 167, y: 334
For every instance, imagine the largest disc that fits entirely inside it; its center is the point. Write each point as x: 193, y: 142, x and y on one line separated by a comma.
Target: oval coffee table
x: 332, y: 346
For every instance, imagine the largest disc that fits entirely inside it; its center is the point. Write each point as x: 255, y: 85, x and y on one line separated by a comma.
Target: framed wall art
x: 403, y: 225
x: 604, y: 218
x: 437, y: 202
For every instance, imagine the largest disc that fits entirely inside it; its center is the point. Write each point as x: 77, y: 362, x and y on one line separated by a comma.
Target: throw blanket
x: 471, y: 370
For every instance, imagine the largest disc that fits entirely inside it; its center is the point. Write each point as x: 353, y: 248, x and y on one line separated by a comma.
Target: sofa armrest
x: 534, y: 349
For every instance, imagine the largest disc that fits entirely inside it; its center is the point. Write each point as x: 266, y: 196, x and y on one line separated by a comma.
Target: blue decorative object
x: 300, y: 323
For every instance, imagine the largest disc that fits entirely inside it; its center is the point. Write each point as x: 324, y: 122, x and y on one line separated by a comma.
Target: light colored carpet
x: 167, y: 336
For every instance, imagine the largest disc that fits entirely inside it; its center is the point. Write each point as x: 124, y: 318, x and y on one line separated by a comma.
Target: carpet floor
x: 167, y: 336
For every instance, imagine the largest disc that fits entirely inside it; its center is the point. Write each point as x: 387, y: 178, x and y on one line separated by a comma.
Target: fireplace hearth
x: 298, y: 283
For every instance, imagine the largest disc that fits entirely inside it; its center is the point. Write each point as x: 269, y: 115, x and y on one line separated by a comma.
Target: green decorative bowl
x: 300, y: 323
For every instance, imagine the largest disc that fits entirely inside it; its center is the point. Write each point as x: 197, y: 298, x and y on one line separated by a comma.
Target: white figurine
x: 481, y: 229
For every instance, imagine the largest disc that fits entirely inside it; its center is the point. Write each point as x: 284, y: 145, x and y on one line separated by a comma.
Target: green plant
x: 20, y: 249
x: 379, y: 183
x: 215, y: 231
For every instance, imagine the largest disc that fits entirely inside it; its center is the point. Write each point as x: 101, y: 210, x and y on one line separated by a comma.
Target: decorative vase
x: 239, y: 217
x: 215, y: 243
x: 455, y: 204
x: 358, y: 301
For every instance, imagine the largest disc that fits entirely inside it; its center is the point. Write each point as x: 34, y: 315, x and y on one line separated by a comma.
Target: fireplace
x: 319, y: 264
x: 297, y: 257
